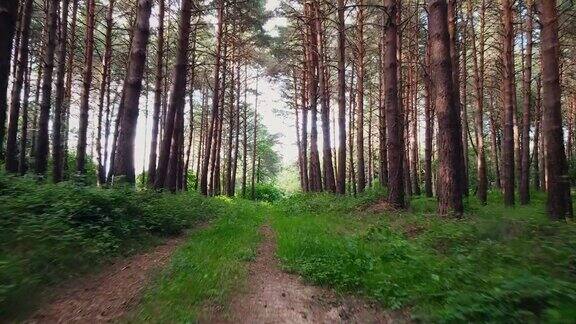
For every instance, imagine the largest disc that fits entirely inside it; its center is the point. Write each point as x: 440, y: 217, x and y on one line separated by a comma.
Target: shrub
x: 265, y: 192
x: 51, y: 232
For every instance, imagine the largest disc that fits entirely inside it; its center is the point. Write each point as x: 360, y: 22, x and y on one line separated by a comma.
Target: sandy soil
x: 107, y: 295
x: 273, y: 296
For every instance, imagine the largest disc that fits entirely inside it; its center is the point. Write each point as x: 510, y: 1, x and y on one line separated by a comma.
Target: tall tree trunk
x: 157, y: 95
x: 482, y: 192
x: 527, y: 89
x: 124, y: 157
x: 382, y: 150
x: 462, y: 169
x: 68, y: 86
x: 304, y: 94
x: 429, y: 125
x: 315, y: 176
x: 558, y: 184
x: 215, y: 99
x: 393, y: 115
x: 341, y: 183
x: 104, y: 84
x: 537, y: 137
x: 254, y: 143
x: 86, y: 85
x: 21, y: 68
x: 22, y: 162
x: 41, y: 154
x: 59, y: 109
x: 329, y: 180
x: 245, y: 133
x: 508, y: 103
x: 447, y: 111
x: 173, y: 130
x: 361, y: 51
x: 8, y: 18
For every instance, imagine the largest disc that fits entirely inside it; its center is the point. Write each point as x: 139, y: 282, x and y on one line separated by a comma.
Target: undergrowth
x: 497, y: 264
x: 49, y: 233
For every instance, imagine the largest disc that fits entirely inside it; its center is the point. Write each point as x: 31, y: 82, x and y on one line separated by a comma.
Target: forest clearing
x: 287, y: 161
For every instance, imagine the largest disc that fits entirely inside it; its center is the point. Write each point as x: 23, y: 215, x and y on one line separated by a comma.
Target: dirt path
x: 274, y: 296
x: 107, y: 295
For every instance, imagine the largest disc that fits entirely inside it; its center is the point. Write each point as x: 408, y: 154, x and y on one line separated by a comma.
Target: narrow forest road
x: 274, y: 296
x: 109, y: 294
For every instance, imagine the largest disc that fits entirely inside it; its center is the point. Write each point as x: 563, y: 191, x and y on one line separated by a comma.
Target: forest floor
x: 274, y: 296
x: 107, y: 295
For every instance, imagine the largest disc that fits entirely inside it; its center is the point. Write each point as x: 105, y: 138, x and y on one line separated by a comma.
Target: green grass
x: 207, y: 269
x: 495, y: 265
x: 50, y: 233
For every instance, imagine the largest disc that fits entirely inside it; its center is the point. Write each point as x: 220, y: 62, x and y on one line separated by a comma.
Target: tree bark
x: 447, y: 111
x: 41, y: 154
x: 328, y: 167
x: 527, y: 89
x: 215, y: 99
x: 157, y: 95
x: 462, y: 169
x: 508, y: 103
x: 21, y: 68
x: 173, y: 130
x: 124, y: 157
x: 482, y: 192
x: 8, y: 18
x: 86, y: 84
x: 393, y: 116
x: 341, y: 182
x: 361, y: 52
x: 558, y: 185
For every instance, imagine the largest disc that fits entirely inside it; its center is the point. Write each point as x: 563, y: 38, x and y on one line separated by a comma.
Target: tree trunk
x: 537, y: 137
x: 157, y: 96
x: 170, y: 151
x: 21, y: 68
x: 23, y: 163
x: 173, y: 130
x: 447, y: 111
x: 382, y: 151
x: 482, y: 192
x: 8, y: 18
x: 508, y: 103
x: 86, y: 84
x: 329, y: 180
x: 527, y: 89
x: 254, y: 143
x: 462, y: 168
x: 558, y: 184
x: 361, y: 51
x: 341, y: 183
x: 393, y: 115
x: 315, y: 176
x: 429, y: 124
x: 41, y: 154
x: 215, y: 100
x: 104, y: 84
x: 124, y: 157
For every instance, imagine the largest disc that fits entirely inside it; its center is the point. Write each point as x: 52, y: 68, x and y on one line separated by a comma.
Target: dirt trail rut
x: 274, y: 296
x: 107, y: 295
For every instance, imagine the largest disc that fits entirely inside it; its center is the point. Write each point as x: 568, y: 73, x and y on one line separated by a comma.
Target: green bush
x: 265, y: 192
x: 51, y: 232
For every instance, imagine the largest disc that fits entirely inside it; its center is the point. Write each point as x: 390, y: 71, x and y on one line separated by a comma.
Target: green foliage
x: 265, y: 192
x: 51, y: 232
x: 495, y: 265
x: 208, y: 268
